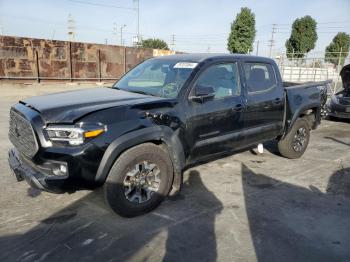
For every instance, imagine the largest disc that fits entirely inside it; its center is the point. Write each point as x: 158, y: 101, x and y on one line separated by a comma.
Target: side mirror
x: 203, y: 93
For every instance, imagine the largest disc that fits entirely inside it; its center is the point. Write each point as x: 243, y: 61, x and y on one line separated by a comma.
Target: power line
x: 334, y: 22
x: 325, y: 32
x: 190, y: 35
x: 322, y: 23
x: 214, y: 40
x: 86, y: 28
x: 328, y: 27
x: 137, y: 9
x: 183, y: 38
x: 203, y: 38
x: 102, y: 5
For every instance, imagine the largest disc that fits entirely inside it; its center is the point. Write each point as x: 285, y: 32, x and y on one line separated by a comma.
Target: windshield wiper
x: 134, y: 91
x: 140, y: 92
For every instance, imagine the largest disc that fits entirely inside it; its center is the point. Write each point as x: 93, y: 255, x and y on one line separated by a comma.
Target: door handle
x: 277, y: 101
x: 238, y: 108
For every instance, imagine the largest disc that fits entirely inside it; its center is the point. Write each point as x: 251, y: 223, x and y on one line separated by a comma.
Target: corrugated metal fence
x: 28, y: 59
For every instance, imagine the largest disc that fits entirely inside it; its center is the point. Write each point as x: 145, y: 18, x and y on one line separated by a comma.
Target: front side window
x: 223, y: 78
x: 158, y: 77
x: 260, y: 77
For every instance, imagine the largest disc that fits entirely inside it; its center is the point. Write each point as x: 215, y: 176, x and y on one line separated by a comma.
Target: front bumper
x: 34, y: 177
x: 43, y: 169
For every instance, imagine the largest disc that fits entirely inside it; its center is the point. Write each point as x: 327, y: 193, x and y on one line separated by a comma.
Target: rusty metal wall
x: 41, y: 59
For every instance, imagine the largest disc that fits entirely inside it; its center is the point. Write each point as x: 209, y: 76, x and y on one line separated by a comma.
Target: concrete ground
x: 245, y: 207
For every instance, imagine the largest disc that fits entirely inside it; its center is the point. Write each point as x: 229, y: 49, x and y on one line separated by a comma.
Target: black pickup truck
x: 136, y: 138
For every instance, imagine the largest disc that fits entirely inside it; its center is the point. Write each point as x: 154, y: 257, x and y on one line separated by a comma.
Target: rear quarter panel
x: 299, y: 99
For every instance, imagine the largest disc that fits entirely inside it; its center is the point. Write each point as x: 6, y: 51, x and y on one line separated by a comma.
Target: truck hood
x: 67, y: 107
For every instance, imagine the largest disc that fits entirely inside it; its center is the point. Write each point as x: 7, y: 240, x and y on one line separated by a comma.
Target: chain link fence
x: 312, y: 67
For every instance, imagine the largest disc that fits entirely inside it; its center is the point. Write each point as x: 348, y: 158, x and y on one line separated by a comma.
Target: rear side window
x: 260, y: 77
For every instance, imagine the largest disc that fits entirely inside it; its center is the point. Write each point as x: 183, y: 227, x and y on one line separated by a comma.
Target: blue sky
x: 198, y: 25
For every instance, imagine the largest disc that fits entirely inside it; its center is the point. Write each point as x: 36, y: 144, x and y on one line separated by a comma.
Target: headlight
x: 74, y: 135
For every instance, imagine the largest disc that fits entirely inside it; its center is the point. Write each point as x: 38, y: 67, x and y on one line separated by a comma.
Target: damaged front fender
x: 161, y: 134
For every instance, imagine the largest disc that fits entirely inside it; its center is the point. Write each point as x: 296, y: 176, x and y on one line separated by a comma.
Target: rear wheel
x: 139, y: 180
x: 294, y: 144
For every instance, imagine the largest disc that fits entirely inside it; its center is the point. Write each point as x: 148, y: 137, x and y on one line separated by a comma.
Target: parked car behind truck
x: 136, y: 138
x: 339, y: 104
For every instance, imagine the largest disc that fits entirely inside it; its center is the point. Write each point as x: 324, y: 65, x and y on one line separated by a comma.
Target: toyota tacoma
x: 136, y: 138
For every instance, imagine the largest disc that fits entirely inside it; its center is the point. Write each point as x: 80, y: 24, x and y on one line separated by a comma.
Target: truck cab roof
x: 202, y: 57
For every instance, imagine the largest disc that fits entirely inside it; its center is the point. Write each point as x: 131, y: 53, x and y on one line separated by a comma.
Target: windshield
x: 157, y: 77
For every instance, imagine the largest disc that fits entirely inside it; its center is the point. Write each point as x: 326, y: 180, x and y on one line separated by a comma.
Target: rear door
x: 263, y: 117
x: 214, y: 124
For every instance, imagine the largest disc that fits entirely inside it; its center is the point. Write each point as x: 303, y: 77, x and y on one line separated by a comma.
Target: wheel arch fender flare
x: 299, y: 112
x: 162, y: 134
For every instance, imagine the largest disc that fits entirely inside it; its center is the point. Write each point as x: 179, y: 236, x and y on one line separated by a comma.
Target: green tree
x: 154, y: 43
x: 303, y: 37
x: 242, y: 33
x: 338, y: 49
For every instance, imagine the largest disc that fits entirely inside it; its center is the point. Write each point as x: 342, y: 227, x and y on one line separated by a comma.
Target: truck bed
x: 288, y: 85
x: 306, y: 95
x: 322, y: 86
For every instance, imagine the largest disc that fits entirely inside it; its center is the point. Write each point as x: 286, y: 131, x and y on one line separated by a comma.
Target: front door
x: 214, y: 123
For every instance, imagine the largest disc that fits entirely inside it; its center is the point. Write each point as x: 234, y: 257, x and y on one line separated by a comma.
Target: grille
x: 22, y: 135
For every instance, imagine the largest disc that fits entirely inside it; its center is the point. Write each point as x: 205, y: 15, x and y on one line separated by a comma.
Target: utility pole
x: 208, y: 49
x: 71, y: 28
x: 138, y: 21
x: 115, y: 32
x: 272, y: 41
x: 173, y: 42
x: 121, y: 34
x: 339, y: 59
x: 257, y: 47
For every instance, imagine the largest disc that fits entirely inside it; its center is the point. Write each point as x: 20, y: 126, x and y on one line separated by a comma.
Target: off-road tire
x: 285, y: 145
x: 114, y: 188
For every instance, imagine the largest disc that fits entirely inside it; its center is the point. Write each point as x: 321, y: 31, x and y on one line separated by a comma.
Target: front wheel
x: 294, y: 144
x: 139, y: 180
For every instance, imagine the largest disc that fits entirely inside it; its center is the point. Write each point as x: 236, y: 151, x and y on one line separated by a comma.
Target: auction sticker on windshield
x: 185, y: 65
